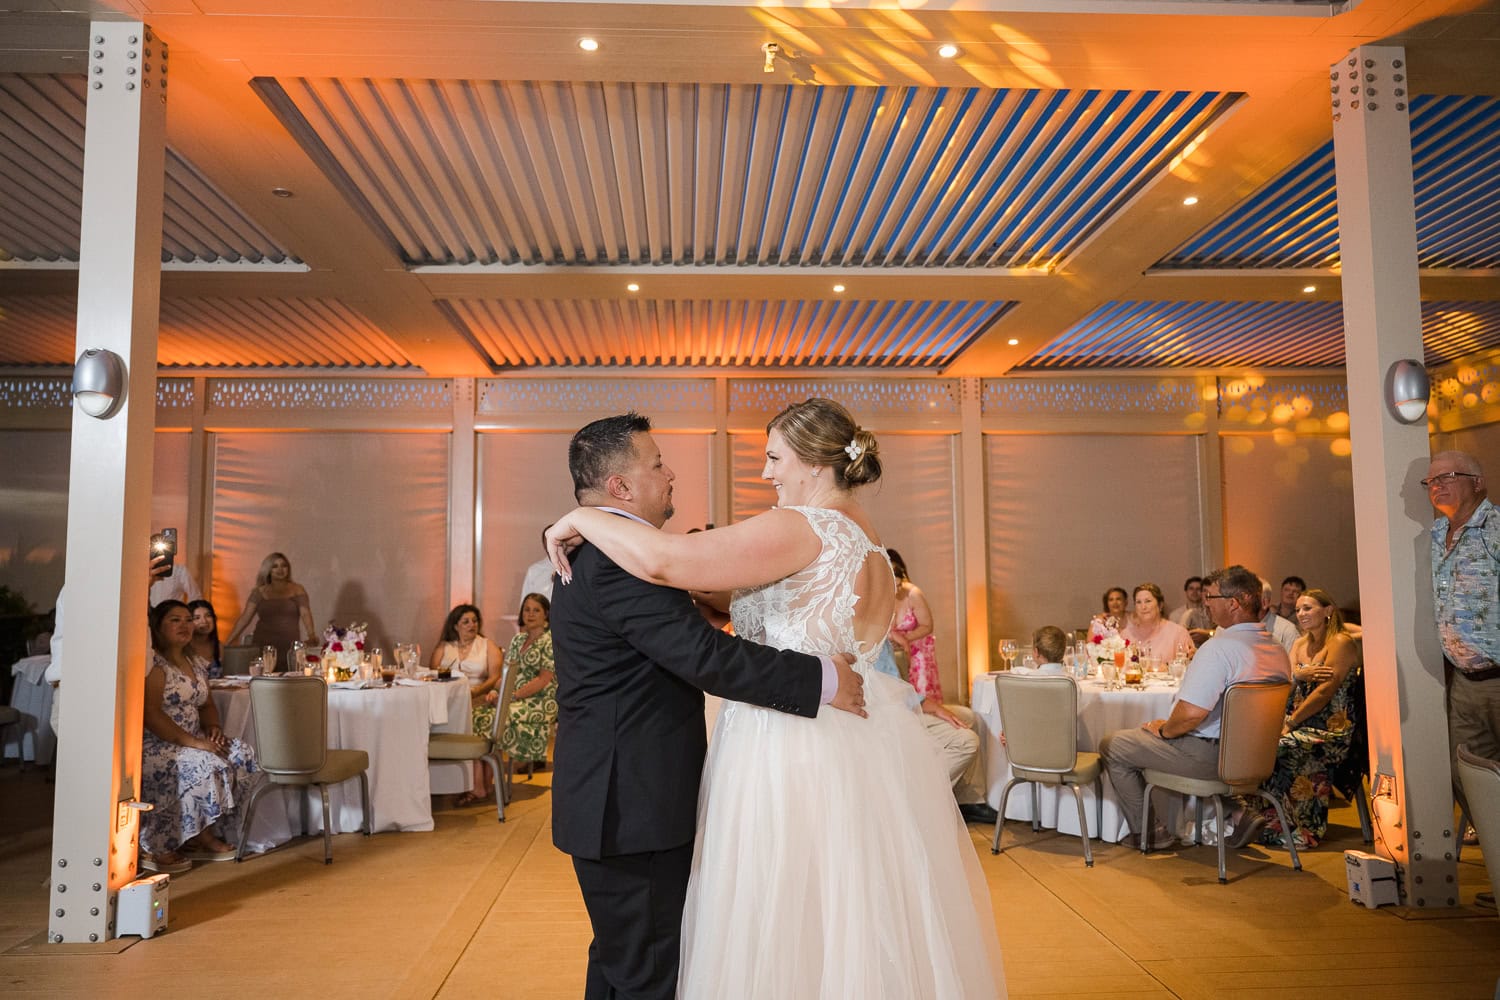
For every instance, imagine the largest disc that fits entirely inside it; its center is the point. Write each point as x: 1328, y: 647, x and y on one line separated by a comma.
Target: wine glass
x: 1008, y: 651
x: 413, y: 659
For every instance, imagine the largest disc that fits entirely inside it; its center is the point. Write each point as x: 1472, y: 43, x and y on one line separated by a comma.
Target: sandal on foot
x: 154, y: 864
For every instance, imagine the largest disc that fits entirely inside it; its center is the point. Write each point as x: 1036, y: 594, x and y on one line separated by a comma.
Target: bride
x: 830, y: 858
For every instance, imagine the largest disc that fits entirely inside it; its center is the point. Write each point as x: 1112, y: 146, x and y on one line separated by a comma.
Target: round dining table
x: 390, y: 724
x: 1100, y: 711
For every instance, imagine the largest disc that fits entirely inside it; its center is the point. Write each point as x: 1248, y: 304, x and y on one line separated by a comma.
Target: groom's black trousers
x: 635, y: 905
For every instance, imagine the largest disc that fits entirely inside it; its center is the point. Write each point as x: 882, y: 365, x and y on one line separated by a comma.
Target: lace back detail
x: 813, y: 609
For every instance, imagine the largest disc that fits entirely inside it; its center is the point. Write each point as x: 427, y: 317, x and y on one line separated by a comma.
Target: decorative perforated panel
x: 766, y: 398
x: 35, y: 392
x: 1464, y: 387
x: 174, y: 394
x: 1172, y: 397
x: 648, y: 396
x: 323, y: 394
x: 1279, y: 402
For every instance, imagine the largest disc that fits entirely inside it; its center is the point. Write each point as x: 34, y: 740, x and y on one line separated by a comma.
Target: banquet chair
x: 1249, y: 730
x: 1480, y: 779
x: 1039, y: 716
x: 237, y: 659
x: 463, y: 746
x: 290, y: 713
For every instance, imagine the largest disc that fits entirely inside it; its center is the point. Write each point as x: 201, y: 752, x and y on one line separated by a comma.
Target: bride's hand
x: 561, y: 539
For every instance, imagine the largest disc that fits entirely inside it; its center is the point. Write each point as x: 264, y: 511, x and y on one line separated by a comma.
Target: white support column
x: 1211, y: 477
x: 1383, y: 324
x: 721, y: 460
x: 200, y: 492
x: 463, y: 461
x: 109, y: 494
x: 973, y: 536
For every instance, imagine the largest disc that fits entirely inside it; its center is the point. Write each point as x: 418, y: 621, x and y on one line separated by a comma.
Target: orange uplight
x: 1340, y: 447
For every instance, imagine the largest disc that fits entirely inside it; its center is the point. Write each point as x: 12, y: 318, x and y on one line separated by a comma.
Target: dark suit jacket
x: 633, y: 660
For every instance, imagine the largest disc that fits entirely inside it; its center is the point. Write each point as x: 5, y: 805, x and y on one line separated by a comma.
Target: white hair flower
x: 854, y: 449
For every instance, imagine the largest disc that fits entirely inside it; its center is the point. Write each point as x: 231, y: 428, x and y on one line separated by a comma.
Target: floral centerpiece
x: 1105, y: 639
x: 343, y: 648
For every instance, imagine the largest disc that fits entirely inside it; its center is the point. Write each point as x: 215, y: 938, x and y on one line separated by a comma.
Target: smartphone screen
x: 165, y: 544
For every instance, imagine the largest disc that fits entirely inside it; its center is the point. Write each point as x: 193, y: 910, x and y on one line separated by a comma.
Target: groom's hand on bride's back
x: 850, y: 696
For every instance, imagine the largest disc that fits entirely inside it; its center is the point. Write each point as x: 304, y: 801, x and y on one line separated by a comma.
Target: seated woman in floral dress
x: 533, y: 706
x: 192, y: 774
x: 1319, y: 728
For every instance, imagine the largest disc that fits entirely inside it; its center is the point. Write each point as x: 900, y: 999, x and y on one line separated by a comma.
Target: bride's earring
x: 817, y: 472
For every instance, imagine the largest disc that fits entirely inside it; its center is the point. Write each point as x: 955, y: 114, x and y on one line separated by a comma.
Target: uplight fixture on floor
x: 99, y: 382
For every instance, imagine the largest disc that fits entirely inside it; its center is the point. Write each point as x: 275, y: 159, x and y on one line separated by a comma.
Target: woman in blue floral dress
x: 533, y: 706
x: 1319, y: 729
x: 192, y: 774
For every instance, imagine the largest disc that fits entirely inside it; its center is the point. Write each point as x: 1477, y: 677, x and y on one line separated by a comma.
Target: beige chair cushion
x: 341, y: 765
x: 1480, y: 778
x: 1085, y: 769
x: 456, y: 746
x: 9, y: 715
x: 1201, y: 787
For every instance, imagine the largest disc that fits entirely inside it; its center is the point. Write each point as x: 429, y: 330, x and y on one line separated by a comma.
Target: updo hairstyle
x: 821, y: 432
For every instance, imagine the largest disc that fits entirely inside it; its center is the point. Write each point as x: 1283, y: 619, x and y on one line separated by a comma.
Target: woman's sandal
x: 470, y: 799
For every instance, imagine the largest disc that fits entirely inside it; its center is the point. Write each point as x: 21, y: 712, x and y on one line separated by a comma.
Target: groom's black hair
x: 600, y: 448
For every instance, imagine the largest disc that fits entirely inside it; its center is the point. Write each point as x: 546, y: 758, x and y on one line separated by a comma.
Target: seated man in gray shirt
x: 1187, y: 742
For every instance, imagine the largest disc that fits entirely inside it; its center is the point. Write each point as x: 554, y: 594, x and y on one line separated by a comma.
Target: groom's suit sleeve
x: 663, y: 625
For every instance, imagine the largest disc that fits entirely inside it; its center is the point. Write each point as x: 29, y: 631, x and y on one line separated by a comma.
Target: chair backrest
x: 502, y: 710
x: 237, y: 659
x: 1249, y: 730
x: 1480, y: 778
x: 1039, y: 716
x: 291, y: 723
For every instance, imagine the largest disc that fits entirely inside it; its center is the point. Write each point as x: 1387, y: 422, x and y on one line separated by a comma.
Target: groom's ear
x: 617, y: 487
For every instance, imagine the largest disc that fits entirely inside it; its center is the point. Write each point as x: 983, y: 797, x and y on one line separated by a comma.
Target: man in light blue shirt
x: 1187, y: 741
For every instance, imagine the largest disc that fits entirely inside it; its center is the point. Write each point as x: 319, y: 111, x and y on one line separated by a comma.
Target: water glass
x: 378, y: 655
x: 268, y: 659
x: 1111, y: 674
x: 1028, y: 662
x: 1178, y: 667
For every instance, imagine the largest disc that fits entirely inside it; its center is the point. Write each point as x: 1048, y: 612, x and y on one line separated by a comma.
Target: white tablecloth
x: 1099, y: 712
x: 31, y: 738
x: 392, y: 726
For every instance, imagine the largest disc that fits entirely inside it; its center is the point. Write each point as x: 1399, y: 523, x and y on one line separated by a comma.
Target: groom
x: 632, y: 661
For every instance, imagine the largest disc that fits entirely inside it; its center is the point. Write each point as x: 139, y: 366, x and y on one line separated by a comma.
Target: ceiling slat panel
x: 708, y: 332
x: 1247, y: 334
x: 1293, y: 220
x: 41, y: 162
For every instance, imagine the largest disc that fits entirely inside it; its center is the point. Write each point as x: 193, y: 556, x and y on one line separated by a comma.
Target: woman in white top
x: 465, y: 649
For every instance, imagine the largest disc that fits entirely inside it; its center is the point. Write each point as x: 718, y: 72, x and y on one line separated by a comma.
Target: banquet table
x: 1100, y: 711
x: 391, y: 725
x: 31, y: 738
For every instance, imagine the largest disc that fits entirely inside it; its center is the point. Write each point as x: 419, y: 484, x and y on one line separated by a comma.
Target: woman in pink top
x: 912, y: 631
x: 1150, y: 632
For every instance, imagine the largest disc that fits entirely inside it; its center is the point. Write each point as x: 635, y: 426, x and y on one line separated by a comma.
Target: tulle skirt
x: 831, y: 862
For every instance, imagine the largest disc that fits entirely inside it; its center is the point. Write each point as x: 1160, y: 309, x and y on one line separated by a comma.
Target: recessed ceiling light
x: 281, y: 192
x: 838, y: 288
x: 1191, y: 199
x: 588, y: 45
x: 949, y: 50
x: 632, y: 287
x: 1013, y: 342
x: 1309, y: 289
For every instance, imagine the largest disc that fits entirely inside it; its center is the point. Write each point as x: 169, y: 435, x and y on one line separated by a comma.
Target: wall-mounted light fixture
x: 1407, y: 390
x: 99, y: 382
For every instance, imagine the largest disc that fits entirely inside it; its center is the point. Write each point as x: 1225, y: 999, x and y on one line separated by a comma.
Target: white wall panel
x: 1071, y: 515
x: 1289, y: 510
x: 363, y: 519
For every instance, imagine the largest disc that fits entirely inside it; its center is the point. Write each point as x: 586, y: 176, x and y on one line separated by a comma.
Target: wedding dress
x: 831, y: 860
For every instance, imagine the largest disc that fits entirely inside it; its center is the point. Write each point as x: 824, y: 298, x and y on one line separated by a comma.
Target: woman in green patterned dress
x: 1319, y: 729
x: 533, y: 706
